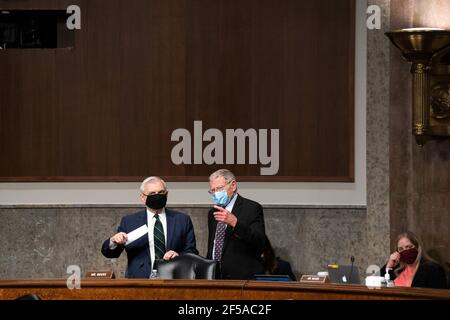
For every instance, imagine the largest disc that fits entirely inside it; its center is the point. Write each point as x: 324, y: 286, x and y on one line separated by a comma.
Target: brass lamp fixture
x: 429, y: 51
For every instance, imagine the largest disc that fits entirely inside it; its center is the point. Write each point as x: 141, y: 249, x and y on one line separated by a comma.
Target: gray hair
x: 152, y: 180
x: 225, y: 173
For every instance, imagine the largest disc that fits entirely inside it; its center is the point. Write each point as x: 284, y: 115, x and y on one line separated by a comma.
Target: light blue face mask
x: 221, y: 198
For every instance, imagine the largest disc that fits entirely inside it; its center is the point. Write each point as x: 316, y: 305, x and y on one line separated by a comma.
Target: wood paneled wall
x: 105, y: 109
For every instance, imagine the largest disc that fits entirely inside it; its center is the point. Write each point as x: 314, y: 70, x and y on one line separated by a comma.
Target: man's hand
x: 119, y: 238
x: 225, y: 216
x: 170, y: 255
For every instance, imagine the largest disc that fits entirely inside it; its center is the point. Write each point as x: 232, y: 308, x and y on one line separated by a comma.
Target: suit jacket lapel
x: 212, y: 224
x: 170, y: 228
x: 236, y: 211
x: 143, y: 220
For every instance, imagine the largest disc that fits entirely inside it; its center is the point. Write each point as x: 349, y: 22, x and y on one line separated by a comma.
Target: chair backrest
x: 187, y: 266
x: 30, y: 296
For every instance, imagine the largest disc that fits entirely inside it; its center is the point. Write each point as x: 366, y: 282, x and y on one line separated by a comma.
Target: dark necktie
x: 158, y: 236
x: 219, y: 240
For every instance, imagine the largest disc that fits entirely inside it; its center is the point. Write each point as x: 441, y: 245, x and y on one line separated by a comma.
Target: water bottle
x: 114, y: 268
x: 389, y: 282
x: 154, y: 274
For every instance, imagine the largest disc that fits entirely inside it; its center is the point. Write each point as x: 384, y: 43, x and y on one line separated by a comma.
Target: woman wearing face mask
x: 410, y: 266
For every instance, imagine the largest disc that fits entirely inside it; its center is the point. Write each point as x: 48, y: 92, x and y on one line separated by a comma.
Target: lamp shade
x: 419, y: 44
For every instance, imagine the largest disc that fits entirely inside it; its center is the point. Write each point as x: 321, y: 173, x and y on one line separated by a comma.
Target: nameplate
x: 314, y: 279
x: 100, y: 275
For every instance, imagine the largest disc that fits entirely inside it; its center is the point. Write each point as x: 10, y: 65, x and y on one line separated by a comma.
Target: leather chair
x: 187, y: 266
x: 29, y: 297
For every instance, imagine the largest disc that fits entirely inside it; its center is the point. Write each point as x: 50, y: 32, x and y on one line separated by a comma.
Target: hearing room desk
x: 204, y: 290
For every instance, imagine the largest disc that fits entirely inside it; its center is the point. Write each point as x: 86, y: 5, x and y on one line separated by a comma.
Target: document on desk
x: 136, y: 234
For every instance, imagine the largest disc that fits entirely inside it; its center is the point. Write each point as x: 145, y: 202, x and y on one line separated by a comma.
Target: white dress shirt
x: 229, y: 207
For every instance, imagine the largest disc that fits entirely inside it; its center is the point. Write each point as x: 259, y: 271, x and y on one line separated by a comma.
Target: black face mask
x: 156, y: 201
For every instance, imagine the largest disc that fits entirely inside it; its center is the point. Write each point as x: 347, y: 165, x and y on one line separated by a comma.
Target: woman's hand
x: 394, y: 259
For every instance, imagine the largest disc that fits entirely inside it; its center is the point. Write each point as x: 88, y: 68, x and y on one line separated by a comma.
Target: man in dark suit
x: 236, y: 229
x: 170, y: 233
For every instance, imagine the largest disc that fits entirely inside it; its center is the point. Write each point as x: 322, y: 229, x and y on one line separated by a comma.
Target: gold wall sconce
x: 429, y: 51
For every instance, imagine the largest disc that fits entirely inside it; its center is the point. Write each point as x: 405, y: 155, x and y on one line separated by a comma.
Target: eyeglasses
x: 400, y: 249
x: 156, y: 192
x: 219, y: 189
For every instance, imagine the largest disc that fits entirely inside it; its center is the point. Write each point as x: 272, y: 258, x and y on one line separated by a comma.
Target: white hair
x: 152, y: 180
x: 225, y: 173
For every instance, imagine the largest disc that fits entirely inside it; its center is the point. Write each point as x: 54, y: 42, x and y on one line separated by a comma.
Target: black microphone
x: 352, y: 259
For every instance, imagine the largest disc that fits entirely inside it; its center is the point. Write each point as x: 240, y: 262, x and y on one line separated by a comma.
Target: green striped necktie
x: 158, y: 235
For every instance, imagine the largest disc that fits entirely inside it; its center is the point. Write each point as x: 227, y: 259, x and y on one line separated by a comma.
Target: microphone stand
x: 352, y: 259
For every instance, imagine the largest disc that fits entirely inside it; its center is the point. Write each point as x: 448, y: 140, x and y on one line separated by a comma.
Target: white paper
x: 136, y: 234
